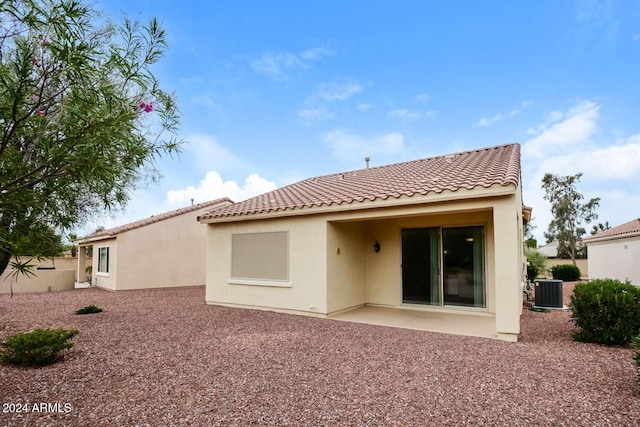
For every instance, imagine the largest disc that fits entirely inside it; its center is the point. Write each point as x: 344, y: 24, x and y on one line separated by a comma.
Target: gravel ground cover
x: 164, y: 358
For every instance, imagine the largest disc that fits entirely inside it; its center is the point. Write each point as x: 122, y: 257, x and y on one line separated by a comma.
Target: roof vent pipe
x: 191, y: 202
x: 366, y: 160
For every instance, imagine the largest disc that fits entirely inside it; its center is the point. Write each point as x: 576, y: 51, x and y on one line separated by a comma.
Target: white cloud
x: 349, y: 147
x: 313, y: 114
x: 485, y: 122
x: 277, y: 64
x: 316, y: 106
x: 207, y: 153
x: 338, y: 91
x: 576, y: 127
x: 317, y: 53
x: 403, y: 113
x: 213, y: 187
x: 364, y: 107
x: 616, y: 162
x: 489, y: 121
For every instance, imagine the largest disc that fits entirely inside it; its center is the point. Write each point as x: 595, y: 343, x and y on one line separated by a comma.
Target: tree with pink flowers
x: 82, y: 117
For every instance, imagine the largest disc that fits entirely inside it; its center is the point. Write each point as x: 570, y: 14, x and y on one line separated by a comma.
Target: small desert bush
x: 566, y: 272
x: 89, y: 310
x: 36, y: 348
x: 606, y: 311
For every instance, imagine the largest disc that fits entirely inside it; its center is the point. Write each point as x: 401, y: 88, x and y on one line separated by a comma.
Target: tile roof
x: 155, y: 218
x: 470, y: 169
x: 630, y: 227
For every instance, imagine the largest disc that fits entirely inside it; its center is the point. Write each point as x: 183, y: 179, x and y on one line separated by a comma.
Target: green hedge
x: 566, y: 272
x: 606, y: 311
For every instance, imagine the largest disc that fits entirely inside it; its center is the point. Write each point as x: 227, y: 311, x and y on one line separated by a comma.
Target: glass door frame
x: 441, y: 303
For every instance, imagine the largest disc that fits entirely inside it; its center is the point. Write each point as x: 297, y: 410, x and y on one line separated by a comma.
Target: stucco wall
x: 167, y: 253
x: 43, y: 281
x: 615, y: 259
x: 346, y: 249
x: 306, y: 289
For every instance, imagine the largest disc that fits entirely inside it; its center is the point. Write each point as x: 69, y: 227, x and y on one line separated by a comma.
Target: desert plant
x: 37, y: 347
x: 566, y: 272
x: 606, y: 311
x: 89, y: 310
x: 536, y: 263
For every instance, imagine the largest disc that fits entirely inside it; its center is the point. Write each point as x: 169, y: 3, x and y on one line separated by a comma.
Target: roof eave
x: 595, y: 239
x: 495, y: 190
x: 95, y: 239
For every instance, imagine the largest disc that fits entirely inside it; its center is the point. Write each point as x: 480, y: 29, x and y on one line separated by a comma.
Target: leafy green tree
x: 536, y: 263
x: 72, y: 237
x: 569, y: 213
x: 82, y: 117
x: 600, y: 227
x: 530, y: 240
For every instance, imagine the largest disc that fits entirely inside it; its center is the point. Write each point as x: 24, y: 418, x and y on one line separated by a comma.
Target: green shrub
x: 536, y: 263
x: 636, y: 344
x: 36, y: 348
x: 566, y: 272
x: 606, y: 311
x: 89, y: 310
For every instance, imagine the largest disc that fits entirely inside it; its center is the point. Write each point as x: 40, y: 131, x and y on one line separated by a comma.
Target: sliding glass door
x: 463, y: 266
x: 420, y: 266
x: 456, y: 251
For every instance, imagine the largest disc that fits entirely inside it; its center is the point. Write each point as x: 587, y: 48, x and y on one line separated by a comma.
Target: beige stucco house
x: 165, y: 250
x: 614, y: 253
x: 440, y: 235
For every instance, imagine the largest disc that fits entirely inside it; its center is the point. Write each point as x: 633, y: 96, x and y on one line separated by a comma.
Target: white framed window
x: 103, y: 260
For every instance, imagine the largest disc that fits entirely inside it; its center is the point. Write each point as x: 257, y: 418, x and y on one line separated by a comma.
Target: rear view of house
x: 165, y: 250
x: 441, y: 234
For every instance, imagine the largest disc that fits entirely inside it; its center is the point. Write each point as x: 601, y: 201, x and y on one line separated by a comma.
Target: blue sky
x: 274, y: 92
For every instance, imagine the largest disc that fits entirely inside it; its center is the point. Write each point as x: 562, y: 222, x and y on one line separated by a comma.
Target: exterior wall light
x: 376, y: 247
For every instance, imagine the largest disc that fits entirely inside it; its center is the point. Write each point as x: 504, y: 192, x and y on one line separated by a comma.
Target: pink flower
x: 35, y: 61
x: 46, y: 42
x: 42, y: 112
x: 34, y: 97
x: 146, y: 107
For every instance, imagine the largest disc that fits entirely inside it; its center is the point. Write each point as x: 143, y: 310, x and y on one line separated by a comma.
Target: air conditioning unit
x: 549, y: 293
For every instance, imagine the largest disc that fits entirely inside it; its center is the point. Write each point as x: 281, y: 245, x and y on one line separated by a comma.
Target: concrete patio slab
x: 480, y: 325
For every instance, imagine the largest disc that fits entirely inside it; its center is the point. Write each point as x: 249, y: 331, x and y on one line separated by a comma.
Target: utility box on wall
x: 549, y: 293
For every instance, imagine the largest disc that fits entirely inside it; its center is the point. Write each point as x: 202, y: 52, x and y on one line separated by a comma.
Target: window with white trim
x: 103, y: 260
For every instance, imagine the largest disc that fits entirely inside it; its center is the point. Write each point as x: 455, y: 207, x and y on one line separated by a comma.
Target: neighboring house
x: 165, y: 250
x: 614, y: 253
x: 441, y: 234
x: 550, y: 250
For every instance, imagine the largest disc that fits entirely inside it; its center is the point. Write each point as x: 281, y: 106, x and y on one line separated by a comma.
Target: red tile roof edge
x: 111, y: 232
x: 317, y: 191
x: 621, y: 230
